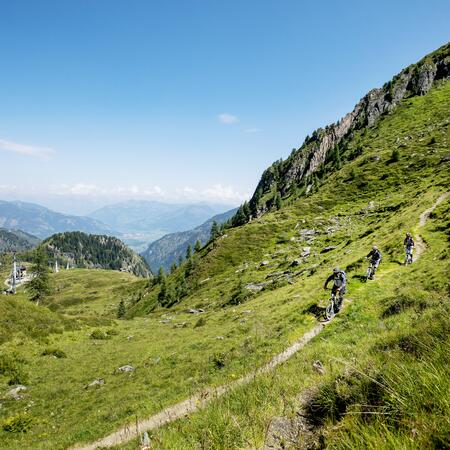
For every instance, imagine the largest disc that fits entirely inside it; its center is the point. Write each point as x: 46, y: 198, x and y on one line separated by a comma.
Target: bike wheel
x: 329, y: 312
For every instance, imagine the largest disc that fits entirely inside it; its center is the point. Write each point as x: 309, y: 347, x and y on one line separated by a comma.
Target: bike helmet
x: 336, y: 270
x: 408, y: 234
x: 375, y: 247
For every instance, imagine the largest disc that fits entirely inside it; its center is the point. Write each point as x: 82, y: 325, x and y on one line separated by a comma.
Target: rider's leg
x: 340, y: 298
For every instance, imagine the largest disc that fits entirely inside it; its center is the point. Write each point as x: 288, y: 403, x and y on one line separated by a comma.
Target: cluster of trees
x: 95, y: 251
x: 175, y: 287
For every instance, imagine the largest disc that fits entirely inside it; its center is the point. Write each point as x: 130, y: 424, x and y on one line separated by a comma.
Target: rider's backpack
x: 339, y: 278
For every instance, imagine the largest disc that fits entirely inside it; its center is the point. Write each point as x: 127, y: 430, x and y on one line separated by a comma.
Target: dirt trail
x: 421, y: 246
x: 200, y: 400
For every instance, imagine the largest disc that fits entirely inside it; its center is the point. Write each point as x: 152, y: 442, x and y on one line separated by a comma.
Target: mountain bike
x: 334, y: 305
x: 409, y: 256
x: 371, y: 270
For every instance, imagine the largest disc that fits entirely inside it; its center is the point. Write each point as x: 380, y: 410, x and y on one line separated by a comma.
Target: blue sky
x: 104, y: 100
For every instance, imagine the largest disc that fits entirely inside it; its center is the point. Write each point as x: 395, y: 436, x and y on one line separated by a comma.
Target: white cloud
x: 93, y: 190
x: 216, y: 193
x: 252, y: 130
x: 227, y: 119
x: 27, y: 150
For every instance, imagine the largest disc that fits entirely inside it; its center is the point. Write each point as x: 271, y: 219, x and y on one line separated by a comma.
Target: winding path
x: 421, y: 246
x: 200, y: 400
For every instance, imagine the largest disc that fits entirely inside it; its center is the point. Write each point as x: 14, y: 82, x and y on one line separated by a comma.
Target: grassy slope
x: 174, y: 362
x: 406, y: 352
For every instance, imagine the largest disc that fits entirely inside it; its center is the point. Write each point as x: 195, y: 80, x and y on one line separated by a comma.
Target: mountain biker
x: 375, y: 259
x: 339, y: 284
x: 408, y: 243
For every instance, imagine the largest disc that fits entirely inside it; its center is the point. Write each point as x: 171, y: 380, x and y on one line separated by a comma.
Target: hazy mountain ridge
x: 43, y: 222
x: 83, y: 250
x: 141, y: 216
x: 169, y: 248
x: 16, y: 240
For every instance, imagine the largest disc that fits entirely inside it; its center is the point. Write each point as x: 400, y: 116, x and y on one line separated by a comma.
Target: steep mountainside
x: 94, y: 251
x: 43, y: 222
x: 168, y: 249
x: 16, y: 241
x: 298, y: 173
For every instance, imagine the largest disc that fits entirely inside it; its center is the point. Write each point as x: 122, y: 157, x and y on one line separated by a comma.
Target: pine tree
x: 180, y: 260
x: 160, y: 275
x: 278, y: 201
x: 246, y: 210
x: 254, y: 202
x: 189, y: 252
x: 39, y: 286
x: 121, y: 310
x: 239, y: 218
x: 198, y: 246
x: 173, y: 267
x: 214, y: 230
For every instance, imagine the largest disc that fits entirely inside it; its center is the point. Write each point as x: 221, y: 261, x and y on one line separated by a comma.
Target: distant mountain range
x: 140, y: 222
x: 168, y: 249
x: 16, y: 241
x: 94, y: 251
x: 137, y: 223
x: 43, y: 222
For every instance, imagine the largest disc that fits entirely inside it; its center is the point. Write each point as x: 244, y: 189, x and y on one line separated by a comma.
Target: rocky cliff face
x: 416, y: 79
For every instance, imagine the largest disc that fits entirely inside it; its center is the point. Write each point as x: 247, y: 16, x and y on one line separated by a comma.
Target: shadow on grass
x: 361, y: 278
x: 317, y: 311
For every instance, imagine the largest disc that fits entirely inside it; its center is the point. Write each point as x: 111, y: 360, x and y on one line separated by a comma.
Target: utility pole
x: 14, y: 275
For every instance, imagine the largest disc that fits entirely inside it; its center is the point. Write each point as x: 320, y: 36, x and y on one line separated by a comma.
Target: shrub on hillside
x: 19, y: 423
x: 12, y: 368
x: 56, y: 352
x: 103, y: 335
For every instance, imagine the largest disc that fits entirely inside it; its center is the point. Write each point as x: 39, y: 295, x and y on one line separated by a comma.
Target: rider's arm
x: 328, y: 280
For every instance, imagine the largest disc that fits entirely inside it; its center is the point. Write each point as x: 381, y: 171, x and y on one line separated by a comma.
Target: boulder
x: 264, y: 263
x: 306, y: 252
x: 318, y: 367
x: 256, y: 287
x: 15, y: 393
x: 328, y: 249
x: 126, y: 368
x: 295, y: 263
x: 96, y: 383
x: 445, y: 159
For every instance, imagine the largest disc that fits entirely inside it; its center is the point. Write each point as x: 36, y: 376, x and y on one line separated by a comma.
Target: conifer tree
x: 214, y: 230
x: 278, y: 201
x: 121, y: 310
x: 198, y: 246
x: 173, y: 267
x: 39, y: 286
x: 160, y: 275
x: 189, y: 252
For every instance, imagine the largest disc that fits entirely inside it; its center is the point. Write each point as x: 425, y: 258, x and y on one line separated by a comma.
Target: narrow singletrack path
x: 421, y: 246
x: 200, y: 400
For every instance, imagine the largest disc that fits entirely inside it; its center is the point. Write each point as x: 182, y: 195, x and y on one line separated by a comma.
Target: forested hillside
x: 82, y: 250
